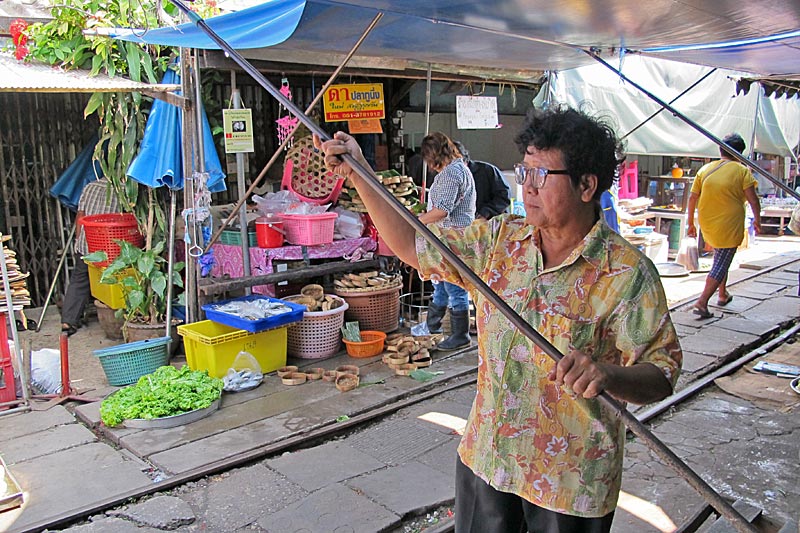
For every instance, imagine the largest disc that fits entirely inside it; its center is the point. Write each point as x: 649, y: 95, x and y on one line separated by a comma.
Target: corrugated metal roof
x: 18, y: 76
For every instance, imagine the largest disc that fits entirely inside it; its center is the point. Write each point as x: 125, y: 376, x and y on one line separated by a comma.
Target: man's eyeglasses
x: 537, y: 175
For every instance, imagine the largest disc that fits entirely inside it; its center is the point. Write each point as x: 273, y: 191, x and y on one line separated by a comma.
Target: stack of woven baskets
x: 373, y: 299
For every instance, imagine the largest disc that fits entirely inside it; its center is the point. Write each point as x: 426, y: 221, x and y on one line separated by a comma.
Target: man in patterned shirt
x: 539, y: 451
x: 97, y: 198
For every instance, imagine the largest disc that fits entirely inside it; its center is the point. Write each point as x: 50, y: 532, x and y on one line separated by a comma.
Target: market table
x: 228, y: 259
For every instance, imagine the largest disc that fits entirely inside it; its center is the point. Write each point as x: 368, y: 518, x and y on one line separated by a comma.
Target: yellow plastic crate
x: 213, y: 346
x: 111, y: 295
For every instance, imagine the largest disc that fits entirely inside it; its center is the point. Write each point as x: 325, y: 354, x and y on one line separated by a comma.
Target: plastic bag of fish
x: 253, y: 309
x: 244, y: 374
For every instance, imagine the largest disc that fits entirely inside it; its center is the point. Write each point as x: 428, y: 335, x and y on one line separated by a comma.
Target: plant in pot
x: 142, y: 276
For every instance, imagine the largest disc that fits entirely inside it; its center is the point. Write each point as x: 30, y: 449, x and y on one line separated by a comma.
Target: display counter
x: 228, y: 258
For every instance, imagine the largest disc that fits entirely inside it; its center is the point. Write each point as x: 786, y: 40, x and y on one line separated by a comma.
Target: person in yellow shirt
x: 539, y: 452
x: 719, y: 192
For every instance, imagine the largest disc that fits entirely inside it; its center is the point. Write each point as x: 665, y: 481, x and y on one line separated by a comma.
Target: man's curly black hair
x: 588, y: 145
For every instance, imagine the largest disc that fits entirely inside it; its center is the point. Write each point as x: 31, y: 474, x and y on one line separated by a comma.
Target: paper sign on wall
x: 238, y: 127
x: 354, y: 101
x: 476, y: 112
x: 365, y: 125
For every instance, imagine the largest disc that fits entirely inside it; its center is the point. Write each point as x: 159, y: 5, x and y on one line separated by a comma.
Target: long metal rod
x: 636, y: 427
x: 64, y: 253
x: 736, y: 155
x: 288, y: 138
x: 654, y: 115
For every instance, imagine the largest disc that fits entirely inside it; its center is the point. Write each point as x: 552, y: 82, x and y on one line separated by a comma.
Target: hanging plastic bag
x: 688, y: 255
x: 244, y: 374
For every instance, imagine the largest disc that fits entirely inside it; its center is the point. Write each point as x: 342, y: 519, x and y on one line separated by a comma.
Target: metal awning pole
x: 287, y: 140
x: 736, y: 155
x: 615, y: 407
x: 236, y: 98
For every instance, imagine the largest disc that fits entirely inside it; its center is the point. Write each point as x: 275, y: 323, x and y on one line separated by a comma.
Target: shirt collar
x: 594, y: 248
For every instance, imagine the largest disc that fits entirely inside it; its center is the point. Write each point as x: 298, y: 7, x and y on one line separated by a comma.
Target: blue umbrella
x: 79, y: 173
x: 159, y: 160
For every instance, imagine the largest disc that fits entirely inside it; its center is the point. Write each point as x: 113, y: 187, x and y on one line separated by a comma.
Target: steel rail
x: 314, y: 102
x: 614, y: 406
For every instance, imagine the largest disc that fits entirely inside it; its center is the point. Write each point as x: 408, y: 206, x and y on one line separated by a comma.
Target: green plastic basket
x: 235, y: 238
x: 126, y: 363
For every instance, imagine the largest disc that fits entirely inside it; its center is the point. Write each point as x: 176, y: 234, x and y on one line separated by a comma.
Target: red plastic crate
x: 8, y: 392
x: 103, y: 230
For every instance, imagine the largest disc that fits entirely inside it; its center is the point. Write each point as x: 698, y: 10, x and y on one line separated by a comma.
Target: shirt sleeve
x: 471, y: 244
x: 445, y: 190
x: 644, y: 332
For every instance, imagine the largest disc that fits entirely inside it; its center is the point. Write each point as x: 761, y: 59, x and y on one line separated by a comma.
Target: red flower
x: 16, y: 28
x: 21, y: 52
x: 20, y: 40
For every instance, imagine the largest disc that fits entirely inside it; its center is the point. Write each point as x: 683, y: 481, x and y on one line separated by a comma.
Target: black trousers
x: 482, y: 509
x: 77, y: 295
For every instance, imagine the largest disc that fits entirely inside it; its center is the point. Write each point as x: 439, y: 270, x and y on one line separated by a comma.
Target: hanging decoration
x: 286, y: 123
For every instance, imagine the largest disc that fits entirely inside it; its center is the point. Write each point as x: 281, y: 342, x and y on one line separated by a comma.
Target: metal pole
x: 317, y: 98
x: 64, y: 253
x: 427, y: 130
x: 187, y: 159
x: 736, y: 155
x: 236, y: 98
x: 170, y: 260
x: 636, y: 427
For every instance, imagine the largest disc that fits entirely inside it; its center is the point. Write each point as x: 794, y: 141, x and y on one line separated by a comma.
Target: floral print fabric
x: 525, y: 435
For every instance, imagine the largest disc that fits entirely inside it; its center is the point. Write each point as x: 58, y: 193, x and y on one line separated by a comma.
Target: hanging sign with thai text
x: 354, y: 101
x: 476, y: 112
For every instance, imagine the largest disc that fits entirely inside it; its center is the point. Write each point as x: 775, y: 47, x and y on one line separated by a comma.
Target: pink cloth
x: 228, y: 258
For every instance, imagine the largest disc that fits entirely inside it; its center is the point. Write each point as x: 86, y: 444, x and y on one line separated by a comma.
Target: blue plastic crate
x: 254, y: 326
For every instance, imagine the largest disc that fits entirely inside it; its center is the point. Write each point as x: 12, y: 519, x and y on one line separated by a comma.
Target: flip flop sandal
x: 69, y: 330
x: 723, y: 303
x: 702, y: 313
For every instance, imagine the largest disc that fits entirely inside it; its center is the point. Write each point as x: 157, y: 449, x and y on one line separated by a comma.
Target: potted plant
x: 142, y: 276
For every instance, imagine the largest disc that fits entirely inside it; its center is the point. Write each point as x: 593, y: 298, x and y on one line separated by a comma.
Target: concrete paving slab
x: 51, y: 482
x: 396, y: 440
x: 442, y: 416
x: 19, y: 424
x: 236, y: 500
x: 778, y: 310
x: 758, y: 287
x: 107, y: 525
x: 744, y: 293
x: 412, y: 487
x: 45, y: 442
x: 327, y: 464
x: 161, y: 512
x: 336, y: 508
x: 737, y: 305
x: 736, y: 339
x: 443, y: 457
x: 704, y: 344
x: 88, y: 413
x: 689, y: 319
x: 753, y: 327
x: 684, y: 331
x: 217, y: 447
x: 788, y: 277
x: 694, y: 362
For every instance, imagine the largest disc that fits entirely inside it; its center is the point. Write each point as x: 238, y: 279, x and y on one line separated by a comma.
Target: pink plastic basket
x: 318, y: 335
x: 309, y: 230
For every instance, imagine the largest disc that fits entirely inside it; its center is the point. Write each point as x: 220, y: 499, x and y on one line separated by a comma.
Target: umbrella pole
x: 288, y: 138
x: 605, y: 399
x: 64, y: 253
x: 170, y: 259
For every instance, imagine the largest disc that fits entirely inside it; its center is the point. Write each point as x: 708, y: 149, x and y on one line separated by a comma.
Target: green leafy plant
x: 142, y: 276
x: 166, y: 392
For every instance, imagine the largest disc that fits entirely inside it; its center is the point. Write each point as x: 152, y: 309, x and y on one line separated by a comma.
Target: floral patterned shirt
x: 525, y: 435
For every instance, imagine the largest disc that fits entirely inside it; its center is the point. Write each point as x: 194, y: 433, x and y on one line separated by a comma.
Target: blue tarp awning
x: 514, y: 35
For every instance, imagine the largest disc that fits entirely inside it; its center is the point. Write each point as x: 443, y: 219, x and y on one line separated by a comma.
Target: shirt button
x: 499, y: 424
x: 505, y: 385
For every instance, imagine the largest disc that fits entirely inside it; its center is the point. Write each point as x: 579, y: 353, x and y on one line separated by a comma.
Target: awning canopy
x: 516, y: 35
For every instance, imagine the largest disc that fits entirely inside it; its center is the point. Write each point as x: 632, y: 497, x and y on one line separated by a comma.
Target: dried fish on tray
x: 254, y: 313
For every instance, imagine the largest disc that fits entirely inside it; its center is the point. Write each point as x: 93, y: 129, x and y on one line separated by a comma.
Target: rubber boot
x: 459, y: 326
x: 435, y: 316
